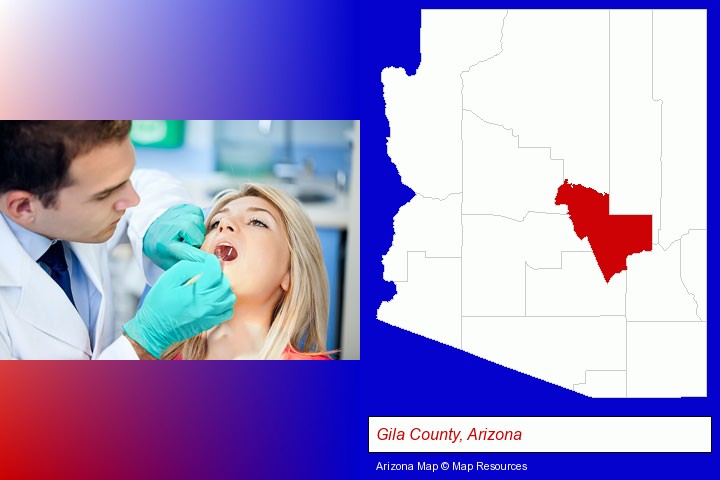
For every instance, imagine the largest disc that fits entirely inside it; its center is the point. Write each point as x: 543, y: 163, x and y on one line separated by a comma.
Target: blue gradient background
x: 271, y: 420
x: 179, y: 59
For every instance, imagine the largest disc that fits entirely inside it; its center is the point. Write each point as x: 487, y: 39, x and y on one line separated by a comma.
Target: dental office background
x: 316, y: 161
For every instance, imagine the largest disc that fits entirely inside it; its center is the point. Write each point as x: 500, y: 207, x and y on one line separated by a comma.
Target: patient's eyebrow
x: 258, y: 209
x: 215, y: 216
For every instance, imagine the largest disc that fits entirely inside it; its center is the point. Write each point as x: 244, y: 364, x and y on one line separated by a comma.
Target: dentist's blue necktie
x: 54, y: 258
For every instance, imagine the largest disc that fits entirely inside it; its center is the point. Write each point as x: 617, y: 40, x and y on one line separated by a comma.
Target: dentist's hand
x: 173, y: 312
x: 175, y: 235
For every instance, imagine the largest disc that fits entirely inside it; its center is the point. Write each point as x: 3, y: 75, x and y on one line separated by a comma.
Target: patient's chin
x: 232, y: 280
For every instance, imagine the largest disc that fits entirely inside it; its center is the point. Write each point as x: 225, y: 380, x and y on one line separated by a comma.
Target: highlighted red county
x: 612, y: 237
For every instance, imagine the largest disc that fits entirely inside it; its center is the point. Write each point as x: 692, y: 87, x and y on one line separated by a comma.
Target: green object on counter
x: 158, y: 133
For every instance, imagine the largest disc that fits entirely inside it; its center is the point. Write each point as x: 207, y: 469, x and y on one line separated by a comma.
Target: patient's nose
x: 225, y: 224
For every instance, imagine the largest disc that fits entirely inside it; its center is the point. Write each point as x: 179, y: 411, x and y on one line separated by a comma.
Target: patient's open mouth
x: 225, y: 252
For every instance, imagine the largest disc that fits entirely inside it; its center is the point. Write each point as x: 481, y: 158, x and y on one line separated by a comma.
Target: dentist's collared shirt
x: 87, y: 297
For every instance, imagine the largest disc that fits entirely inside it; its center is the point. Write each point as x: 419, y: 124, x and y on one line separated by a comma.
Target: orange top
x: 291, y: 354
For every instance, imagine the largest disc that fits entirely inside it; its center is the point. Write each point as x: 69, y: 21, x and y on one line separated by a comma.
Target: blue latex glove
x: 175, y: 235
x: 173, y: 312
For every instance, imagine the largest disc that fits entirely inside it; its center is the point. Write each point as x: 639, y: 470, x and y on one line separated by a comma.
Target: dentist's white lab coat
x: 37, y: 320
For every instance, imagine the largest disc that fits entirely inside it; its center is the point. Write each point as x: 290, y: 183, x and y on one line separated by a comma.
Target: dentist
x: 68, y: 196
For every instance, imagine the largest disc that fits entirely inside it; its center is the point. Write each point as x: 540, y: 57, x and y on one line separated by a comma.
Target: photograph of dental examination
x: 179, y: 240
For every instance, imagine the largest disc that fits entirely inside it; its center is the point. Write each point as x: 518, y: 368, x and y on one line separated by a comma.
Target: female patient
x: 271, y: 255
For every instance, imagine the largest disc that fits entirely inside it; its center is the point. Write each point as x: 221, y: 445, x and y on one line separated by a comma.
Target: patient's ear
x: 285, y: 284
x: 19, y: 206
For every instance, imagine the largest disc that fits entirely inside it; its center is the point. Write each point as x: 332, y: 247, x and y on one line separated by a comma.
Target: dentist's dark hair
x: 35, y: 155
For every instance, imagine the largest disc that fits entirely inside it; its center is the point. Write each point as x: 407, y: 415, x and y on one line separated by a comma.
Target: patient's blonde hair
x: 301, y: 316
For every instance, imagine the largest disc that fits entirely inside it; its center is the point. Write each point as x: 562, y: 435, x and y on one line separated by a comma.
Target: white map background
x: 504, y: 106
